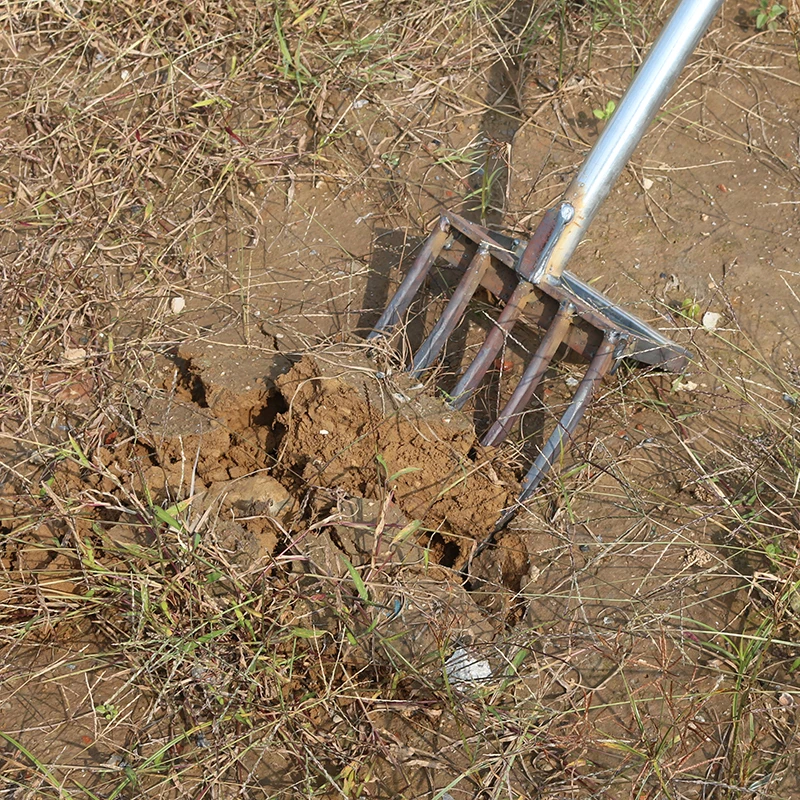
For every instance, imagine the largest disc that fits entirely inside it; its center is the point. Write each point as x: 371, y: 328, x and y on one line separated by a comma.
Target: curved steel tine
x: 492, y: 344
x: 600, y: 366
x: 454, y: 311
x: 532, y: 376
x: 416, y: 275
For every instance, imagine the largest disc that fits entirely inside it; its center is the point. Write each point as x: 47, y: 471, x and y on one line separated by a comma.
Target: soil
x: 290, y: 445
x: 351, y: 427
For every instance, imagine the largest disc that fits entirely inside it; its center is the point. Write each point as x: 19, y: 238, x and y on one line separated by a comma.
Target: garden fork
x: 530, y: 276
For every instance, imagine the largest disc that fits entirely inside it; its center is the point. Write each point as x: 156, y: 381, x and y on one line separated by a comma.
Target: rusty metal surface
x: 596, y: 314
x: 414, y: 279
x: 532, y: 376
x: 493, y: 343
x: 454, y: 311
x: 551, y: 450
x: 536, y: 244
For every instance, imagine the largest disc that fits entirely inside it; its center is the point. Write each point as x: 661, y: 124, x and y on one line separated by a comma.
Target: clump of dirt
x: 233, y: 438
x: 233, y: 380
x: 212, y: 418
x: 201, y: 446
x: 185, y: 439
x: 352, y: 426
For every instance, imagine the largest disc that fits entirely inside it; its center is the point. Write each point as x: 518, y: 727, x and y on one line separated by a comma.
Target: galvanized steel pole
x: 628, y: 123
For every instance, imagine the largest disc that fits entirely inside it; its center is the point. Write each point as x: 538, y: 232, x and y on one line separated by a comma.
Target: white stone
x: 465, y: 667
x: 711, y: 320
x: 176, y: 305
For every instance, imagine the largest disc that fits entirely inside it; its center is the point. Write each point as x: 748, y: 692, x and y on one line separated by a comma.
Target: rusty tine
x: 535, y: 254
x: 598, y: 369
x: 532, y: 376
x: 552, y: 449
x: 411, y: 283
x: 454, y: 311
x: 492, y: 344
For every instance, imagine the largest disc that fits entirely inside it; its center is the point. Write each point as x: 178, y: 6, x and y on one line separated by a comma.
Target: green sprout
x: 767, y: 14
x: 606, y: 112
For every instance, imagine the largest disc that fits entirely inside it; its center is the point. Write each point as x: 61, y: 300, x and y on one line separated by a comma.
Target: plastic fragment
x: 465, y: 667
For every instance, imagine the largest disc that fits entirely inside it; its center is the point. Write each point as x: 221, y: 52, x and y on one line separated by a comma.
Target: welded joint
x: 620, y: 350
x: 547, y: 269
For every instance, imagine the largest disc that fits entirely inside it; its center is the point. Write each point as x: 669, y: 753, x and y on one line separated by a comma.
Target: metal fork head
x: 568, y: 310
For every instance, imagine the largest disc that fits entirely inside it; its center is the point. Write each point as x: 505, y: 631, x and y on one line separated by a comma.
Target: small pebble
x: 72, y: 355
x: 176, y: 305
x: 679, y: 385
x: 503, y: 365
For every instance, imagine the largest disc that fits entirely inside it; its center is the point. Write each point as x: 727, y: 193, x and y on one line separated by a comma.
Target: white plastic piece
x: 465, y: 667
x: 711, y: 320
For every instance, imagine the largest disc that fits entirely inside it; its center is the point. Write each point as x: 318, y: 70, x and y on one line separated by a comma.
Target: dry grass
x: 644, y: 614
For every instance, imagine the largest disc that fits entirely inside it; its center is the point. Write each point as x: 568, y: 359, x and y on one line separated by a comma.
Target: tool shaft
x: 629, y: 122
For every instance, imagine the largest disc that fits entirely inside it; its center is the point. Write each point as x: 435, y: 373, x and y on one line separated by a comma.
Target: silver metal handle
x: 628, y: 123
